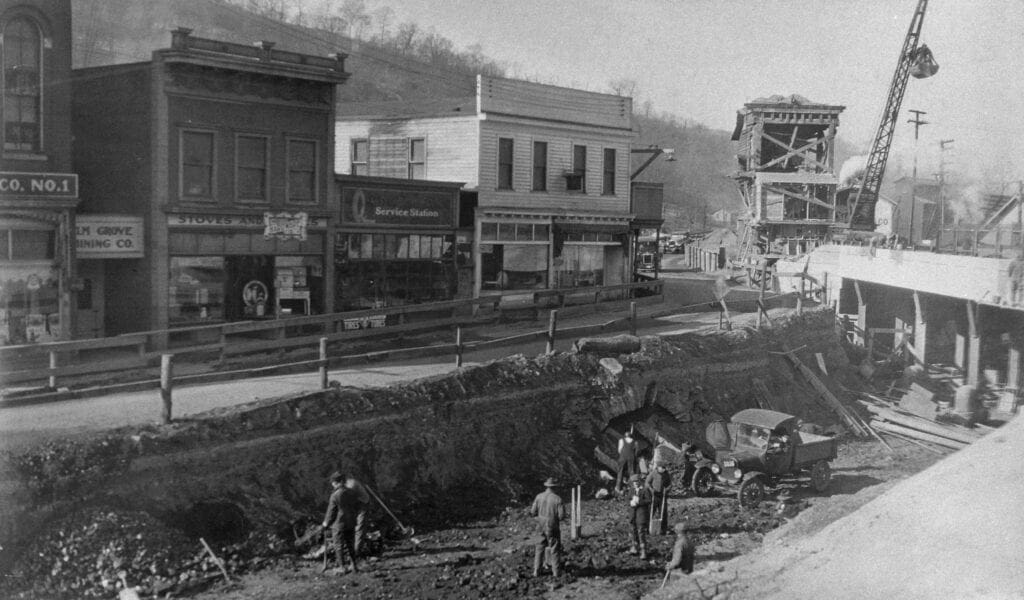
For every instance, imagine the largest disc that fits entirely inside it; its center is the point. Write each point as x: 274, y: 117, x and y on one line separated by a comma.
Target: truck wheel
x: 821, y: 476
x: 751, y: 492
x: 702, y: 482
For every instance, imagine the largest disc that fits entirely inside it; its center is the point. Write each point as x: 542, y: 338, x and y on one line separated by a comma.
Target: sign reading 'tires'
x: 376, y: 206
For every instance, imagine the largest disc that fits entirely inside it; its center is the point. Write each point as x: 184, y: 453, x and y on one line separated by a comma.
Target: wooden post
x: 458, y: 346
x: 800, y: 297
x: 52, y: 382
x: 166, y: 383
x: 323, y: 363
x: 572, y: 513
x: 578, y: 527
x: 760, y: 295
x: 552, y: 324
x: 824, y: 289
x: 632, y: 318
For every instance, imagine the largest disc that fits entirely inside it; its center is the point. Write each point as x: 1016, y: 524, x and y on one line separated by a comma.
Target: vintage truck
x: 756, y: 448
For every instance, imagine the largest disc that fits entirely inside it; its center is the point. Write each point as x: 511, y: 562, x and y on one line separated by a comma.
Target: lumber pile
x: 920, y: 430
x: 850, y: 419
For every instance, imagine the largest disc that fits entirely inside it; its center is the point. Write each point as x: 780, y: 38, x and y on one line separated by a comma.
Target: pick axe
x: 406, y: 531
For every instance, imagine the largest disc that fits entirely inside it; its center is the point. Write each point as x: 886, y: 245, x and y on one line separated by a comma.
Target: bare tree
x: 356, y: 18
x: 623, y: 87
x: 406, y: 37
x: 384, y: 16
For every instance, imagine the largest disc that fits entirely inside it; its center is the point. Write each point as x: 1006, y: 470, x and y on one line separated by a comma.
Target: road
x: 23, y: 425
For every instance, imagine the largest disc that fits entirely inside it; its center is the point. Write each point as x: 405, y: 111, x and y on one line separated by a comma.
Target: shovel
x: 406, y: 531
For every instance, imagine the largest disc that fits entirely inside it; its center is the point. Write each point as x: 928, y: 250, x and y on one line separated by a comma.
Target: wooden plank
x: 923, y: 425
x: 825, y: 393
x: 95, y: 367
x: 762, y: 394
x: 917, y: 435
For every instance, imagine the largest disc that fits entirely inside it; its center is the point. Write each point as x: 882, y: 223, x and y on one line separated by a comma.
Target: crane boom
x: 911, y: 57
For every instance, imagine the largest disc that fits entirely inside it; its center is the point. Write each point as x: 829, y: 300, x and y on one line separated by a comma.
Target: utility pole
x: 942, y: 190
x: 918, y: 122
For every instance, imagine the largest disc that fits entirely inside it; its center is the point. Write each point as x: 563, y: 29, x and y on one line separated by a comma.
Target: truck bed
x: 813, y: 448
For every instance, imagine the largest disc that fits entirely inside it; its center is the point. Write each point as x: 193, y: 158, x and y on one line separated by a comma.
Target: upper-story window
x: 505, y: 148
x: 23, y: 89
x: 197, y: 164
x: 540, y: 166
x: 360, y: 157
x: 417, y: 158
x: 576, y: 181
x: 302, y: 171
x: 609, y: 172
x: 251, y: 163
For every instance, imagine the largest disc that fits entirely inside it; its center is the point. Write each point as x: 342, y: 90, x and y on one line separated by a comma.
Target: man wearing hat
x: 549, y: 510
x: 639, y: 516
x: 342, y: 510
x: 658, y: 481
x: 682, y: 552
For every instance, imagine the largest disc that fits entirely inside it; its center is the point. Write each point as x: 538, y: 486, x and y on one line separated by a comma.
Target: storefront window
x: 196, y: 289
x: 514, y: 266
x: 580, y: 266
x: 409, y: 268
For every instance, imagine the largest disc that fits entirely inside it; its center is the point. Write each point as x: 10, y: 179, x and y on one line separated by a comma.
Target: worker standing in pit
x: 363, y: 498
x: 627, y: 459
x: 342, y: 509
x: 639, y: 516
x: 658, y: 482
x: 682, y: 552
x: 550, y: 511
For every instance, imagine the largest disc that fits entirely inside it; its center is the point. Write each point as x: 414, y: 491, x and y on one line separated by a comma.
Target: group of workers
x: 648, y: 496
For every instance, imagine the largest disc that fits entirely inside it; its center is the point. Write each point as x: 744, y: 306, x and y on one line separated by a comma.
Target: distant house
x: 723, y: 217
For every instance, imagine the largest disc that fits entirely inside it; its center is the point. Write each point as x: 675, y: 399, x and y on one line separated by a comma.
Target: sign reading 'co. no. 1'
x: 62, y: 185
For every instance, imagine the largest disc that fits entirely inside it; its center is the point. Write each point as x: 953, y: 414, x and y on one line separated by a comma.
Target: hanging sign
x: 109, y: 236
x: 54, y: 185
x: 285, y: 225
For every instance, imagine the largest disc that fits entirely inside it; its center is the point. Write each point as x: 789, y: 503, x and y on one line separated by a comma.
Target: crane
x: 916, y: 60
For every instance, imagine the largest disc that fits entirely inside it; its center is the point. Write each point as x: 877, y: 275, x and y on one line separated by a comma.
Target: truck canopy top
x: 769, y: 419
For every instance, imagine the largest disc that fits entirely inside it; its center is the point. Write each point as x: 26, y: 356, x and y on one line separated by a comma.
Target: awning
x: 578, y: 227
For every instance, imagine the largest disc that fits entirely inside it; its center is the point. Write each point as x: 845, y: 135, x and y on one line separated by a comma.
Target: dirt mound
x: 483, y: 435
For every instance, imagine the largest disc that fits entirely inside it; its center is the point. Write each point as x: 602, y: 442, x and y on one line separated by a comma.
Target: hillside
x: 402, y: 63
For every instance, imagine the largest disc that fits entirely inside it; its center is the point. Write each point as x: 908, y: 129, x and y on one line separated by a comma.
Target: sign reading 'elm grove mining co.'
x: 59, y: 185
x: 108, y: 236
x: 380, y: 206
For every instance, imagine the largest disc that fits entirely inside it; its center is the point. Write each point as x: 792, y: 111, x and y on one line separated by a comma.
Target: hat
x: 680, y: 527
x: 634, y: 478
x: 337, y: 476
x: 550, y: 482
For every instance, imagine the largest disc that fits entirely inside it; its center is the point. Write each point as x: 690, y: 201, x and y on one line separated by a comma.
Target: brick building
x: 38, y: 189
x: 221, y: 154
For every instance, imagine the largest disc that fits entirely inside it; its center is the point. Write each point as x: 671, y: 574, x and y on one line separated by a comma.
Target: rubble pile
x: 95, y: 553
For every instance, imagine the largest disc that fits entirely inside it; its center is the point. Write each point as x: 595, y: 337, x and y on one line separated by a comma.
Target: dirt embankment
x: 442, y: 450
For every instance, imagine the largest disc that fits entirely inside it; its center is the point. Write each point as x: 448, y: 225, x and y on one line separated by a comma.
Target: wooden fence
x: 101, y: 357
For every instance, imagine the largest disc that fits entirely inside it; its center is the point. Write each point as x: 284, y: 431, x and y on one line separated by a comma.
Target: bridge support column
x: 860, y: 334
x: 920, y: 328
x: 1013, y: 359
x: 972, y: 371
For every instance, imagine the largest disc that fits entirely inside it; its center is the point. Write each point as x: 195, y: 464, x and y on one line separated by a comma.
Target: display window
x: 375, y: 270
x: 29, y: 284
x: 514, y: 266
x: 580, y: 266
x: 205, y: 289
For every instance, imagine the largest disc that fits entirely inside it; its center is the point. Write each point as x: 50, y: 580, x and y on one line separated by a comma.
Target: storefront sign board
x: 50, y: 185
x: 383, y: 206
x: 229, y: 221
x: 285, y: 225
x: 109, y: 236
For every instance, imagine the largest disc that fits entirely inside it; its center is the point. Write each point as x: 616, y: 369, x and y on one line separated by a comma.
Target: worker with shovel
x: 363, y: 496
x: 549, y: 510
x: 682, y: 554
x: 658, y: 481
x: 340, y: 520
x: 639, y: 516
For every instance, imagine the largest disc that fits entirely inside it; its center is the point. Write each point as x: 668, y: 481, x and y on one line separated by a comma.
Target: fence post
x: 458, y: 346
x: 578, y: 529
x: 632, y: 318
x: 323, y: 363
x: 552, y: 324
x: 166, y: 383
x: 52, y: 382
x: 760, y: 295
x: 800, y: 298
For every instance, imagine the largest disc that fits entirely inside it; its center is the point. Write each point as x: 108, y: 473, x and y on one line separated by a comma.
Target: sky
x: 703, y: 59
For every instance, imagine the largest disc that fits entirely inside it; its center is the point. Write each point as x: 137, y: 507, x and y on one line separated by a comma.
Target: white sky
x: 702, y: 59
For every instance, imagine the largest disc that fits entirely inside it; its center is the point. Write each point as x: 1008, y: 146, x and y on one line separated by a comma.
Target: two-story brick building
x: 222, y: 152
x: 546, y: 167
x: 38, y: 190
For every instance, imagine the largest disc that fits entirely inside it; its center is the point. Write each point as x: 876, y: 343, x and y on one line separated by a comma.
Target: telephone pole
x: 918, y: 122
x: 942, y: 189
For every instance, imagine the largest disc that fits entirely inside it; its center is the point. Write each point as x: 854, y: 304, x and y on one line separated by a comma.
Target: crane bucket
x: 923, y: 63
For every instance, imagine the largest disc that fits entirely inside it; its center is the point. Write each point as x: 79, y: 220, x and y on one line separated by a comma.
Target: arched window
x: 22, y: 84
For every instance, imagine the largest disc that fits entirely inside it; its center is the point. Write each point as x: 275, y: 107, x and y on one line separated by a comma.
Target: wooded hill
x: 393, y: 62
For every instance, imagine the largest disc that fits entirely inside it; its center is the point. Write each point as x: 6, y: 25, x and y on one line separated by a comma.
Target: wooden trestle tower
x: 786, y: 154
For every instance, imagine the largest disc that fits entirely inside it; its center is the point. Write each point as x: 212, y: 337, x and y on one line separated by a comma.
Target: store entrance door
x: 250, y: 287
